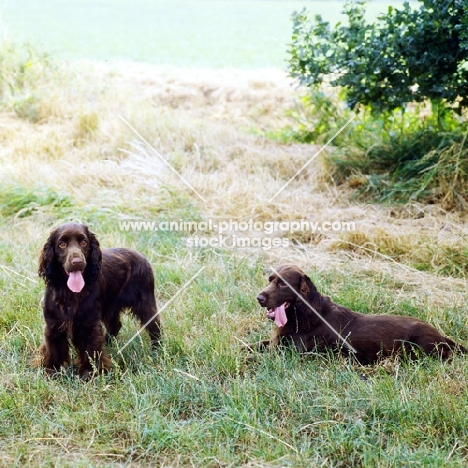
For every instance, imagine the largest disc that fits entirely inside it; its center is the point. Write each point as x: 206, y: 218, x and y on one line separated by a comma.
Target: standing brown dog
x: 87, y: 287
x: 308, y: 320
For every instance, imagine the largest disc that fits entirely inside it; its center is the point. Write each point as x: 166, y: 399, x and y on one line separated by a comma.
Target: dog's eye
x: 84, y: 243
x: 62, y: 244
x: 282, y: 285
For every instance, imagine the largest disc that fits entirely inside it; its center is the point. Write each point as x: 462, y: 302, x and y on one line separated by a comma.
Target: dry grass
x: 209, y: 126
x: 81, y: 161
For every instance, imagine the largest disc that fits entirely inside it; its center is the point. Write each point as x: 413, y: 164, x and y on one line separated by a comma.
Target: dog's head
x: 289, y: 289
x: 70, y: 255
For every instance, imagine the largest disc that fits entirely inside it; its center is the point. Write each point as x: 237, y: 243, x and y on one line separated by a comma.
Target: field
x: 73, y: 148
x: 184, y: 33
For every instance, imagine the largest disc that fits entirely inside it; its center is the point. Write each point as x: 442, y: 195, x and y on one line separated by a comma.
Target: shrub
x: 408, y: 56
x: 382, y: 71
x: 23, y: 72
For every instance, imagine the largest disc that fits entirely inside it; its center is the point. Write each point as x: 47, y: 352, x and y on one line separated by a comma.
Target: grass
x: 201, y: 34
x: 418, y: 155
x: 199, y: 400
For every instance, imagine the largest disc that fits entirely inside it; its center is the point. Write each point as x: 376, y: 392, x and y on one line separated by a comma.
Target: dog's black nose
x: 261, y: 298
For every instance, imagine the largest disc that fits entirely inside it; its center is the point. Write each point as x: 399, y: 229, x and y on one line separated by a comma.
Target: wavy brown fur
x: 115, y: 279
x: 315, y: 322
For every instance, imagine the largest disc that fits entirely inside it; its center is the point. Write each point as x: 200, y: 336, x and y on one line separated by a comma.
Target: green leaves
x: 407, y: 56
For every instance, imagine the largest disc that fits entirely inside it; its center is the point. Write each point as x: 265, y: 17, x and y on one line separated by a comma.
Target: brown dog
x: 86, y: 288
x: 308, y: 320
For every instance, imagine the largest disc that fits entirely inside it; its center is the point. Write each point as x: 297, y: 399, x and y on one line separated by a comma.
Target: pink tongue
x: 75, y: 281
x: 280, y: 315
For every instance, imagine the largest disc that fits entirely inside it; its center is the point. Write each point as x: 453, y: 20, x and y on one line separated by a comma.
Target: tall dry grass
x: 200, y: 401
x: 210, y: 126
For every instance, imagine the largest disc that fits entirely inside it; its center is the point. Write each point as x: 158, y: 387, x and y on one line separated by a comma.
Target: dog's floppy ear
x: 49, y: 267
x: 94, y: 257
x: 307, y: 288
x: 306, y: 285
x: 311, y: 296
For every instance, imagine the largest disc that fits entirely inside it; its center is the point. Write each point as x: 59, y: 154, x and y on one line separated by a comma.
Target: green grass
x: 20, y: 201
x: 391, y: 157
x: 202, y: 33
x: 200, y: 401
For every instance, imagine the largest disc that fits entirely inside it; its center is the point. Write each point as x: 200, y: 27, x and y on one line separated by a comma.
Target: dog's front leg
x: 89, y: 340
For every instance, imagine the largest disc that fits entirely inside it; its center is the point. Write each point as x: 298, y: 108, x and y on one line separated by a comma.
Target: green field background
x: 185, y: 33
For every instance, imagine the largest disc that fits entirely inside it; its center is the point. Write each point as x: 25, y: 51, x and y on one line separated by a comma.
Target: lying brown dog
x: 308, y: 320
